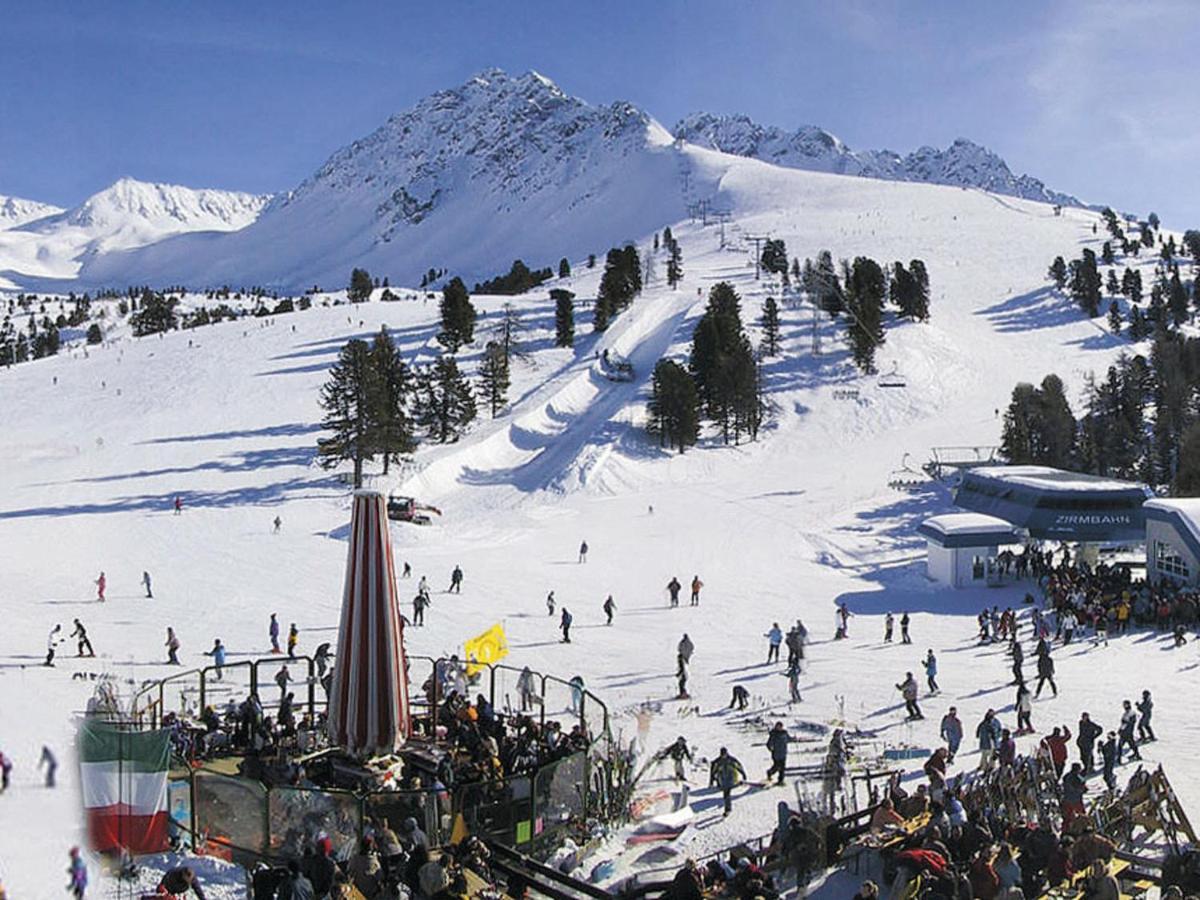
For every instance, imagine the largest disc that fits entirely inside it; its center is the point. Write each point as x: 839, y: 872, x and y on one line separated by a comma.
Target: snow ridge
x: 16, y: 211
x: 962, y: 164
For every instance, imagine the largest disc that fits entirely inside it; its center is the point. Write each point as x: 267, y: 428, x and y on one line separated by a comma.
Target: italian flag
x: 124, y: 780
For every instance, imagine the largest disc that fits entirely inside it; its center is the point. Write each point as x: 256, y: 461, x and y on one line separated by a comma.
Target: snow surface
x: 779, y: 529
x: 14, y: 211
x: 966, y: 523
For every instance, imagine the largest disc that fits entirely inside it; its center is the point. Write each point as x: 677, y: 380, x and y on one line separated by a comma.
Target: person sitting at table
x: 1099, y: 883
x: 885, y: 817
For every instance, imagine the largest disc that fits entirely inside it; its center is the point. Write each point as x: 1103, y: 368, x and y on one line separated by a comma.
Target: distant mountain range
x: 468, y: 179
x: 962, y: 164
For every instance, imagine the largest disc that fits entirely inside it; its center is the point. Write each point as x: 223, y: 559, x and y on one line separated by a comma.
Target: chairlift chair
x: 906, y: 478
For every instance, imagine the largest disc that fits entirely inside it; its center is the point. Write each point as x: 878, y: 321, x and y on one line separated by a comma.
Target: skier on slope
x: 6, y: 767
x: 931, y: 670
x: 50, y: 761
x: 673, y: 589
x: 456, y: 580
x: 904, y: 638
x: 273, y: 630
x: 686, y: 648
x: 774, y: 639
x: 609, y: 608
x: 951, y: 732
x: 1145, y: 708
x: 697, y: 584
x: 888, y: 625
x: 78, y: 873
x: 218, y: 654
x: 101, y: 584
x: 423, y: 586
x: 146, y: 585
x: 53, y: 639
x: 583, y: 549
x: 283, y: 678
x: 420, y: 602
x: 564, y: 623
x: 550, y: 603
x: 681, y: 674
x: 843, y: 620
x: 293, y: 639
x: 1125, y: 735
x: 172, y: 646
x: 321, y: 659
x: 678, y: 751
x: 777, y: 745
x: 1085, y: 740
x: 725, y: 772
x: 81, y: 633
x: 908, y: 689
x: 793, y: 677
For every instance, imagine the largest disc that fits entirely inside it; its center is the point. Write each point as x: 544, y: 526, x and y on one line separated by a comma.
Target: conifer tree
x: 360, y: 287
x: 564, y: 268
x: 94, y: 334
x: 1085, y: 283
x: 1186, y: 482
x: 865, y: 290
x: 1114, y: 317
x: 920, y: 305
x: 1106, y: 254
x: 674, y: 264
x: 1138, y: 329
x: 723, y: 365
x: 445, y: 402
x: 493, y: 377
x: 1177, y: 299
x: 1058, y: 272
x: 458, y: 316
x: 564, y: 318
x: 390, y: 387
x: 770, y: 327
x: 1112, y: 286
x: 774, y: 256
x: 674, y: 406
x: 509, y: 331
x: 346, y: 400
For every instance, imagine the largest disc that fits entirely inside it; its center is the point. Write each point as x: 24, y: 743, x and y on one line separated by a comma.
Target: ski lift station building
x: 1007, y: 504
x: 1173, y: 540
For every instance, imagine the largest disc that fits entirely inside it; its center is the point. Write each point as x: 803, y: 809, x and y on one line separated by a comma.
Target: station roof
x: 1181, y: 512
x: 967, y: 530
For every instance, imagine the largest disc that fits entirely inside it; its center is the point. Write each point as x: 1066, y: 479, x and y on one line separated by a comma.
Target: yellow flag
x: 489, y: 647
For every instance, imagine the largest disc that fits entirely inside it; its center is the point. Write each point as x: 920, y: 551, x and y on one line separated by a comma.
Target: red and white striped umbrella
x: 368, y: 702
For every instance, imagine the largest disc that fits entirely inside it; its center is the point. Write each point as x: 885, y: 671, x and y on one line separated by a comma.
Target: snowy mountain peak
x: 16, y: 211
x: 173, y: 207
x: 962, y: 164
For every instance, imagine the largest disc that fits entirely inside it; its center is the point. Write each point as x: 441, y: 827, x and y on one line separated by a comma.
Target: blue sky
x: 1095, y: 98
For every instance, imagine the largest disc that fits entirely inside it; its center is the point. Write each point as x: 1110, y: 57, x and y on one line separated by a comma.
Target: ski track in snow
x: 779, y: 529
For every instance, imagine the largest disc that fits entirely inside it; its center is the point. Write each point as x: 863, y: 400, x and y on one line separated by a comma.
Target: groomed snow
x: 227, y: 417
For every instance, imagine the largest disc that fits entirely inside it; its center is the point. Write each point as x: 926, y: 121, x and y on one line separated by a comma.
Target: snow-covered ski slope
x: 779, y: 529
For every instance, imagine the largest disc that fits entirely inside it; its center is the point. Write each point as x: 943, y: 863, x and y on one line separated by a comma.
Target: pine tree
x: 591, y: 261
x: 345, y: 397
x: 1106, y: 254
x: 825, y: 286
x: 493, y: 377
x: 1138, y: 329
x: 1112, y: 286
x: 1191, y: 242
x: 866, y: 287
x: 509, y: 331
x: 770, y: 327
x: 564, y: 268
x: 920, y: 305
x: 1177, y: 299
x: 445, y: 404
x: 458, y: 316
x: 723, y: 365
x: 94, y: 334
x: 674, y: 264
x: 1085, y: 283
x: 656, y: 242
x: 155, y: 314
x: 389, y: 390
x: 1114, y: 317
x: 361, y: 286
x: 774, y: 256
x: 564, y: 318
x: 1058, y: 272
x: 1187, y: 476
x: 668, y: 238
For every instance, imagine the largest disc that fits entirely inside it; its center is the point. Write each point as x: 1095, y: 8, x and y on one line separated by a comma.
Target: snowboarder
x: 1085, y: 741
x: 888, y: 625
x: 673, y: 589
x: 278, y: 523
x: 777, y: 744
x: 81, y: 633
x: 609, y: 607
x: 564, y: 623
x: 218, y: 654
x: 583, y: 548
x: 904, y: 638
x: 697, y: 584
x: 78, y: 874
x: 741, y: 697
x: 686, y: 648
x: 843, y: 617
x: 1045, y: 670
x: 724, y: 773
x: 550, y: 603
x: 678, y: 752
x: 48, y: 760
x: 52, y: 641
x: 146, y: 584
x: 456, y: 578
x: 419, y: 603
x: 1125, y: 736
x: 930, y: 664
x: 793, y: 677
x: 293, y: 639
x: 1145, y: 706
x: 273, y: 630
x: 101, y: 584
x: 283, y: 678
x: 172, y: 646
x: 952, y: 733
x: 681, y: 674
x: 908, y: 689
x: 321, y: 659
